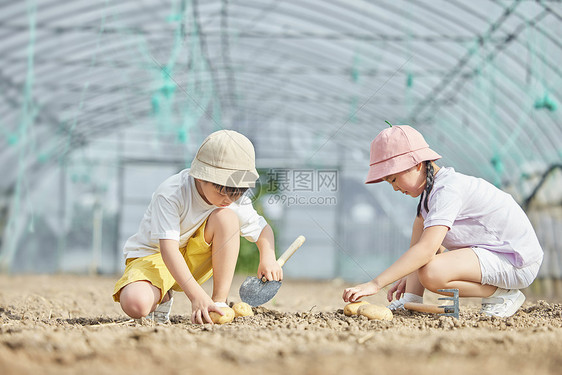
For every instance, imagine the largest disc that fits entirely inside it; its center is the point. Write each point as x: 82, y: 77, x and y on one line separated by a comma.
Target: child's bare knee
x: 136, y: 305
x: 430, y: 276
x: 223, y: 229
x: 135, y: 308
x: 219, y: 220
x: 223, y: 216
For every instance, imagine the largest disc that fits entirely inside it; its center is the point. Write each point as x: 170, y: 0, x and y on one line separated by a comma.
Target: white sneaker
x: 503, y: 303
x: 162, y: 312
x: 407, y: 297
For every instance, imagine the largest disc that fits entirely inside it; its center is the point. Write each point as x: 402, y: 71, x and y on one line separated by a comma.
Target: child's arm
x: 268, y: 266
x: 400, y: 286
x: 417, y: 256
x: 201, y: 303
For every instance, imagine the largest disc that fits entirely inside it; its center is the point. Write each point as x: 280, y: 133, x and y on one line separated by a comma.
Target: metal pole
x: 61, y: 245
x: 120, y: 196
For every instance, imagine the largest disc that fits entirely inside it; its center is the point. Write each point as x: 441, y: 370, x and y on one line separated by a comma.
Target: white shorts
x: 498, y: 271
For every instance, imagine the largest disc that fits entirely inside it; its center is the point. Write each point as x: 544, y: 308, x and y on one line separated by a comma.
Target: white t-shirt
x: 479, y: 214
x: 177, y: 210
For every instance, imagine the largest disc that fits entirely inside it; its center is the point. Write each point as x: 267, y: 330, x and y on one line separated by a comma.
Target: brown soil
x: 69, y: 325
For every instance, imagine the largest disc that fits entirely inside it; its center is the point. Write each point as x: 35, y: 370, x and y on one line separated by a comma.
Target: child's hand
x: 399, y: 287
x: 200, y: 310
x: 270, y: 269
x: 361, y: 290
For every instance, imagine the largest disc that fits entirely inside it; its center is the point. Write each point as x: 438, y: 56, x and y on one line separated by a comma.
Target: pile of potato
x: 364, y: 308
x: 238, y: 309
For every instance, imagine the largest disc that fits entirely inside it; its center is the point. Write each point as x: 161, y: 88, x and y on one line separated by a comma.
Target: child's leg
x: 223, y: 232
x: 459, y: 269
x: 139, y: 298
x: 413, y: 285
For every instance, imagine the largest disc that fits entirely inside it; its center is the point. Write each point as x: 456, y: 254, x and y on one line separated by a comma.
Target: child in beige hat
x: 492, y: 249
x: 191, y: 231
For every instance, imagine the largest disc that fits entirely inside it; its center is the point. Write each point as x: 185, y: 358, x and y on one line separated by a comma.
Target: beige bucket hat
x: 226, y: 158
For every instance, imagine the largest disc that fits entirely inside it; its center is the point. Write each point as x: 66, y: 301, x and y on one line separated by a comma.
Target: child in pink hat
x: 467, y: 233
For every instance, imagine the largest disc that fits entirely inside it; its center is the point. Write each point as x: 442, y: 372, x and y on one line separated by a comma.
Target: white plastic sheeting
x: 91, y: 88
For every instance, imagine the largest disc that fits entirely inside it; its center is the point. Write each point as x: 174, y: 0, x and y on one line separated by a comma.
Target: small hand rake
x: 445, y: 310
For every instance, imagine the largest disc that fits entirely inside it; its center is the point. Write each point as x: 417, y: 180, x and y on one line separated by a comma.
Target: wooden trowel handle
x: 291, y: 250
x: 421, y: 307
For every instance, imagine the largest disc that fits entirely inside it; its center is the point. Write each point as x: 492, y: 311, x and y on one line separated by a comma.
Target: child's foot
x: 162, y: 312
x: 407, y: 297
x: 503, y: 303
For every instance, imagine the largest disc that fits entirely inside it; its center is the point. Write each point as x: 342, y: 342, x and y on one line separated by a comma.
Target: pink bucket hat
x: 397, y: 149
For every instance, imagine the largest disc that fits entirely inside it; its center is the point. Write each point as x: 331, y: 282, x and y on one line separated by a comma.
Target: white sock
x: 411, y: 297
x: 496, y: 292
x: 406, y: 297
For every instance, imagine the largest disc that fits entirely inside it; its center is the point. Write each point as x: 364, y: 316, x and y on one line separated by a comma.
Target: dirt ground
x: 67, y: 324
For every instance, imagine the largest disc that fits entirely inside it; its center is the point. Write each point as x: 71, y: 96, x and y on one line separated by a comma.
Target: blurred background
x: 100, y: 101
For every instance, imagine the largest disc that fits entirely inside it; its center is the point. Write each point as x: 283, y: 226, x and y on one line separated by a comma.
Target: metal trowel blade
x: 255, y: 292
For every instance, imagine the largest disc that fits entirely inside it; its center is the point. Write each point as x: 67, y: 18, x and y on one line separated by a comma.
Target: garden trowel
x: 256, y: 291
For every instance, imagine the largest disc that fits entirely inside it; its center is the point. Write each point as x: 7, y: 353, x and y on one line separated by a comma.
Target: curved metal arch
x: 461, y: 112
x: 501, y: 72
x: 507, y: 107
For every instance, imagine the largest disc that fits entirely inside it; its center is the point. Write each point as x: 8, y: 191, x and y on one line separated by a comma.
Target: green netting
x: 93, y: 93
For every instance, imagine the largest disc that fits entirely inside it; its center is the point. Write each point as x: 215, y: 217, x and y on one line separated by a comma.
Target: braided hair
x: 429, y: 185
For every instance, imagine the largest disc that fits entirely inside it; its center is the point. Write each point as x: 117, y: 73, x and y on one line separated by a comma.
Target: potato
x: 242, y: 309
x: 351, y: 308
x: 226, y: 318
x: 375, y: 312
